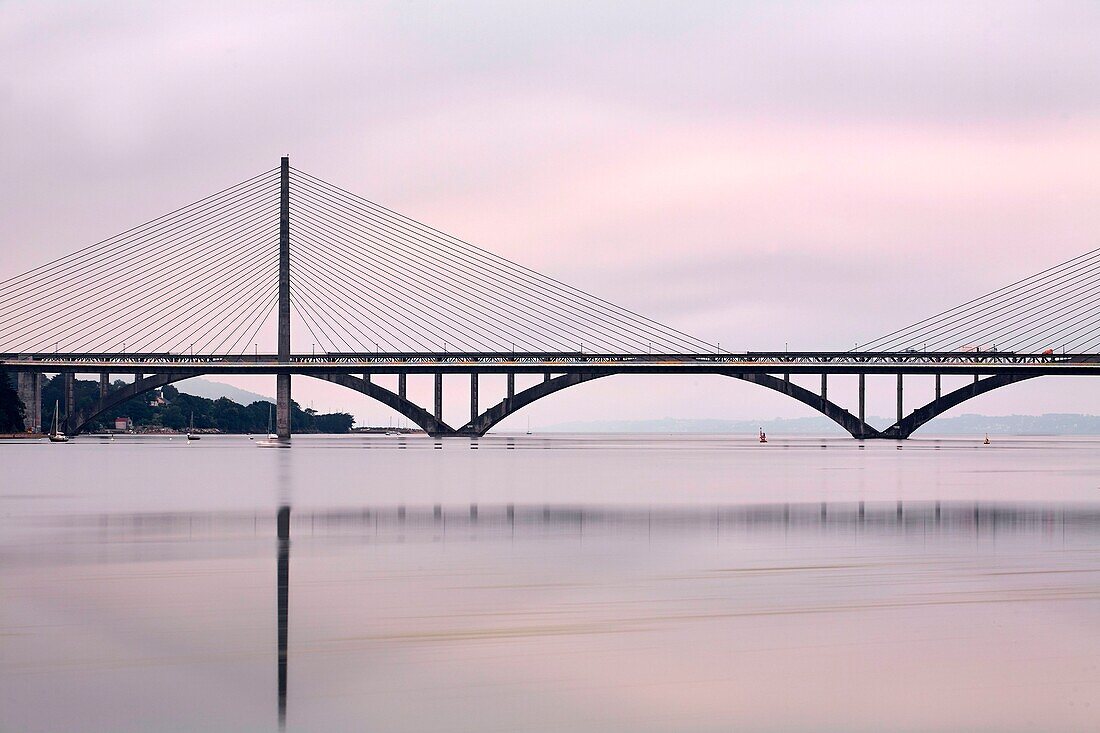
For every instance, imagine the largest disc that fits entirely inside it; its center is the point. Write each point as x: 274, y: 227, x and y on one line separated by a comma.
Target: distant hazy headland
x: 1049, y: 424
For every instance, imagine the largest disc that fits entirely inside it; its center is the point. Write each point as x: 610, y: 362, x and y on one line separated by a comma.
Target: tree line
x: 221, y: 414
x: 11, y: 409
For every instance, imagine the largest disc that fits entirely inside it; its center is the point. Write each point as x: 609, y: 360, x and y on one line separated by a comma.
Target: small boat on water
x: 986, y: 441
x: 56, y: 436
x: 272, y: 440
x: 763, y: 436
x: 191, y: 430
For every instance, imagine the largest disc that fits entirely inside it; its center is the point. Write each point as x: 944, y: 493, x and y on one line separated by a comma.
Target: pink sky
x: 754, y: 174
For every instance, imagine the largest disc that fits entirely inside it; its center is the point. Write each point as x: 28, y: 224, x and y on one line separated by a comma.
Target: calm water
x: 550, y: 584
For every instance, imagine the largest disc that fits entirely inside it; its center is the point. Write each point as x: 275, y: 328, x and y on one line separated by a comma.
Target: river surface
x: 564, y: 583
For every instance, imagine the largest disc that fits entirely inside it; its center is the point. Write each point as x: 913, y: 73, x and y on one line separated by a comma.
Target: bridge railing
x: 778, y: 358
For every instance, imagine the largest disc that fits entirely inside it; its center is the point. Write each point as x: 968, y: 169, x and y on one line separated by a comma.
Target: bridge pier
x: 282, y: 406
x: 824, y: 387
x: 511, y: 386
x: 104, y: 385
x: 473, y: 397
x: 901, y: 408
x: 439, y: 397
x: 29, y: 388
x: 937, y: 386
x: 402, y: 385
x: 69, y: 392
x: 862, y: 406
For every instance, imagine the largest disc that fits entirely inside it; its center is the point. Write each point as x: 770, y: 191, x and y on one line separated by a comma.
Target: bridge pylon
x: 282, y: 380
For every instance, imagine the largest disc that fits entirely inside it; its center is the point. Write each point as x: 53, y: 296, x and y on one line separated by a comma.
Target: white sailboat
x: 56, y: 436
x: 272, y: 438
x: 191, y: 430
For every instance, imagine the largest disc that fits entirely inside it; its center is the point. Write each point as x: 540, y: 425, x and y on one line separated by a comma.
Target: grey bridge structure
x: 194, y: 292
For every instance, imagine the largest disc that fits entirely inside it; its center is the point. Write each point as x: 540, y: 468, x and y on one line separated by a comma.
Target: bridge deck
x: 802, y: 362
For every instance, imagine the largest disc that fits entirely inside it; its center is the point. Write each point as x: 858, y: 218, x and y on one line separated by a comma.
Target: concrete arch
x: 911, y: 422
x: 76, y: 423
x: 831, y: 410
x: 414, y: 412
x: 486, y: 420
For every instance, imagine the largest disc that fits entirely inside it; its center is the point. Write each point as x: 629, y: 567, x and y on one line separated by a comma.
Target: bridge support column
x: 29, y: 388
x: 824, y: 387
x: 402, y: 385
x: 901, y: 408
x: 474, y: 412
x: 511, y: 386
x: 69, y: 380
x: 546, y: 377
x: 104, y: 385
x: 366, y: 376
x: 282, y: 406
x: 439, y: 397
x: 937, y: 386
x: 862, y: 405
x: 282, y: 380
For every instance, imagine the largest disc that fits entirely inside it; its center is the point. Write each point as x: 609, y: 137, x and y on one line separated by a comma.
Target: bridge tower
x: 282, y: 380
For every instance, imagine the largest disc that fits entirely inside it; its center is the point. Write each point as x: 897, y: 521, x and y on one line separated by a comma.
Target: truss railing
x: 779, y: 358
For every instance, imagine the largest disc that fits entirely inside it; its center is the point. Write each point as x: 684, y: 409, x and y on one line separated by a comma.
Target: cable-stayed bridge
x: 284, y: 259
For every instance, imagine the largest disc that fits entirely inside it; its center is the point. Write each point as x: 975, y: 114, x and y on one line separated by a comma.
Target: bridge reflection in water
x: 283, y: 598
x: 948, y: 520
x: 925, y: 522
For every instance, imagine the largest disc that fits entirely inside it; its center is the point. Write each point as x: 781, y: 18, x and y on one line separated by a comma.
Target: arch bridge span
x: 560, y: 376
x: 196, y: 290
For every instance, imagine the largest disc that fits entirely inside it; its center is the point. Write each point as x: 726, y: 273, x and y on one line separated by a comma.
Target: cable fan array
x: 201, y: 278
x: 365, y: 278
x: 1058, y: 308
x: 204, y: 279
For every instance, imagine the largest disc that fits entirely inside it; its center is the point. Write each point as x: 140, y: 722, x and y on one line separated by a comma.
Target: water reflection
x: 948, y: 521
x: 829, y: 559
x: 283, y: 596
x: 931, y: 520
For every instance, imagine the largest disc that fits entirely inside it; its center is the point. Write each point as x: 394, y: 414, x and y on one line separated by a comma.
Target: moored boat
x: 56, y: 436
x: 191, y: 430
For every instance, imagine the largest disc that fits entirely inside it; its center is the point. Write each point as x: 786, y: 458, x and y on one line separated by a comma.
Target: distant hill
x: 179, y: 410
x: 1049, y: 424
x: 815, y: 425
x: 215, y: 390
